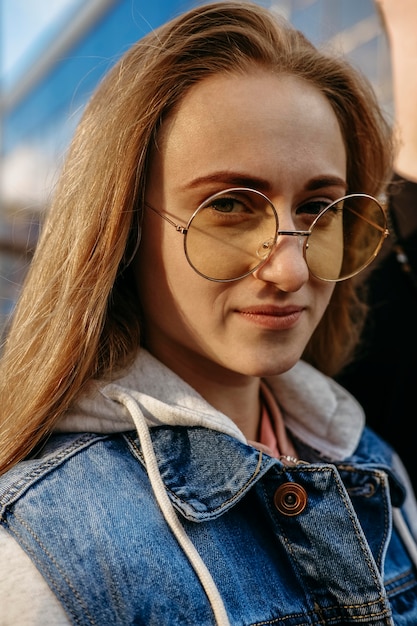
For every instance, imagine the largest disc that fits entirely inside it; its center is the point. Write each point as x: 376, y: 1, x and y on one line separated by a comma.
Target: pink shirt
x: 272, y: 437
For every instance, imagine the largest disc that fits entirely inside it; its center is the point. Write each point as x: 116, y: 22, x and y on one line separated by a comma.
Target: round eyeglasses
x: 233, y: 232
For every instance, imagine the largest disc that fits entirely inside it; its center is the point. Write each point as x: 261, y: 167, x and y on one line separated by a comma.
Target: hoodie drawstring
x: 118, y: 394
x: 405, y: 534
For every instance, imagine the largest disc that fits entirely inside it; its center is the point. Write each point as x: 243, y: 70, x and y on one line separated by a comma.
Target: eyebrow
x: 236, y: 179
x: 325, y: 181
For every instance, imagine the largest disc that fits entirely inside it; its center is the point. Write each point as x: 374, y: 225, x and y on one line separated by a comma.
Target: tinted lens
x: 226, y: 234
x: 346, y: 237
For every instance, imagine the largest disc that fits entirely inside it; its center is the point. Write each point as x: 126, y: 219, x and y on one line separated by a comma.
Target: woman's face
x: 278, y: 135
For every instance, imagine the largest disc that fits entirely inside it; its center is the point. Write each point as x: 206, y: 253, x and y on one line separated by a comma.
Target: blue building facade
x: 40, y: 110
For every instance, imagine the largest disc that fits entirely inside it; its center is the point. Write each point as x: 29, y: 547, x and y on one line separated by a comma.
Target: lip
x: 272, y: 317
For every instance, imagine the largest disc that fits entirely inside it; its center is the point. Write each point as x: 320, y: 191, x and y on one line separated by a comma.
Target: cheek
x: 324, y: 292
x: 164, y: 278
x: 328, y: 294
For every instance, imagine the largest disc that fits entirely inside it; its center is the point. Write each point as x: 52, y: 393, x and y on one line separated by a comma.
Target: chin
x: 270, y: 366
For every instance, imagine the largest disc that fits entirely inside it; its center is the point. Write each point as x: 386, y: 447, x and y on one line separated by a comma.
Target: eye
x: 313, y: 207
x: 237, y: 208
x: 307, y: 212
x: 227, y: 205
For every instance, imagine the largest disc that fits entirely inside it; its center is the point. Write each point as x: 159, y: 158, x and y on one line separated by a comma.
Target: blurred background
x: 53, y: 53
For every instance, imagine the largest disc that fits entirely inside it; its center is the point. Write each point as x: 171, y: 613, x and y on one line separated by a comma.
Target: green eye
x: 225, y: 205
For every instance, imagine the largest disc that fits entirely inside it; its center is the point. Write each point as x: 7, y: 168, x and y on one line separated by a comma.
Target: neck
x: 241, y: 403
x: 236, y: 395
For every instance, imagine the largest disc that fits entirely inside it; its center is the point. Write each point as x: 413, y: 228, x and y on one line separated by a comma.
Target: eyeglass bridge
x: 267, y: 245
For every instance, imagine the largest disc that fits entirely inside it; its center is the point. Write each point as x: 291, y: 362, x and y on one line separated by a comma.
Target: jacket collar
x: 206, y: 472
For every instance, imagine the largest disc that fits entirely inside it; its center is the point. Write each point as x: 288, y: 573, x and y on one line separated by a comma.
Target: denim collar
x: 206, y: 472
x: 190, y: 463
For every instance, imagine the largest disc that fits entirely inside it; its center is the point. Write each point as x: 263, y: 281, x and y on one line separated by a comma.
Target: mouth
x: 272, y: 317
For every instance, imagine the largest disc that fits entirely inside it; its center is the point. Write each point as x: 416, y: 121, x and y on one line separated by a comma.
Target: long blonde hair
x: 78, y: 316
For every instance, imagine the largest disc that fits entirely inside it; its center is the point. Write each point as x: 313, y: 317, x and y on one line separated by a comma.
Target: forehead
x: 249, y: 121
x: 230, y: 98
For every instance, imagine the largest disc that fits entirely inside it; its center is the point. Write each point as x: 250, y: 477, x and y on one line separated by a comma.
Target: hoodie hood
x: 315, y: 408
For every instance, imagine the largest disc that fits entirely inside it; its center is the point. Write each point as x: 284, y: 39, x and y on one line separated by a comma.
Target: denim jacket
x: 167, y: 516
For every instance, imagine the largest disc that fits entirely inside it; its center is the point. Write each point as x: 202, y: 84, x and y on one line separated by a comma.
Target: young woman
x: 173, y: 451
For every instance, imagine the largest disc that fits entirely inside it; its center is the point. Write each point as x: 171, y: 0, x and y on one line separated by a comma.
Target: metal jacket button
x: 290, y: 499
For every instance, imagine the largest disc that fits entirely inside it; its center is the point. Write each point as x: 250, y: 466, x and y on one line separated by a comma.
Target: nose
x: 285, y: 266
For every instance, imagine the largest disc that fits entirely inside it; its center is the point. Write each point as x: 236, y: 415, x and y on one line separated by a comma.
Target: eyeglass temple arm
x: 383, y: 230
x: 181, y: 229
